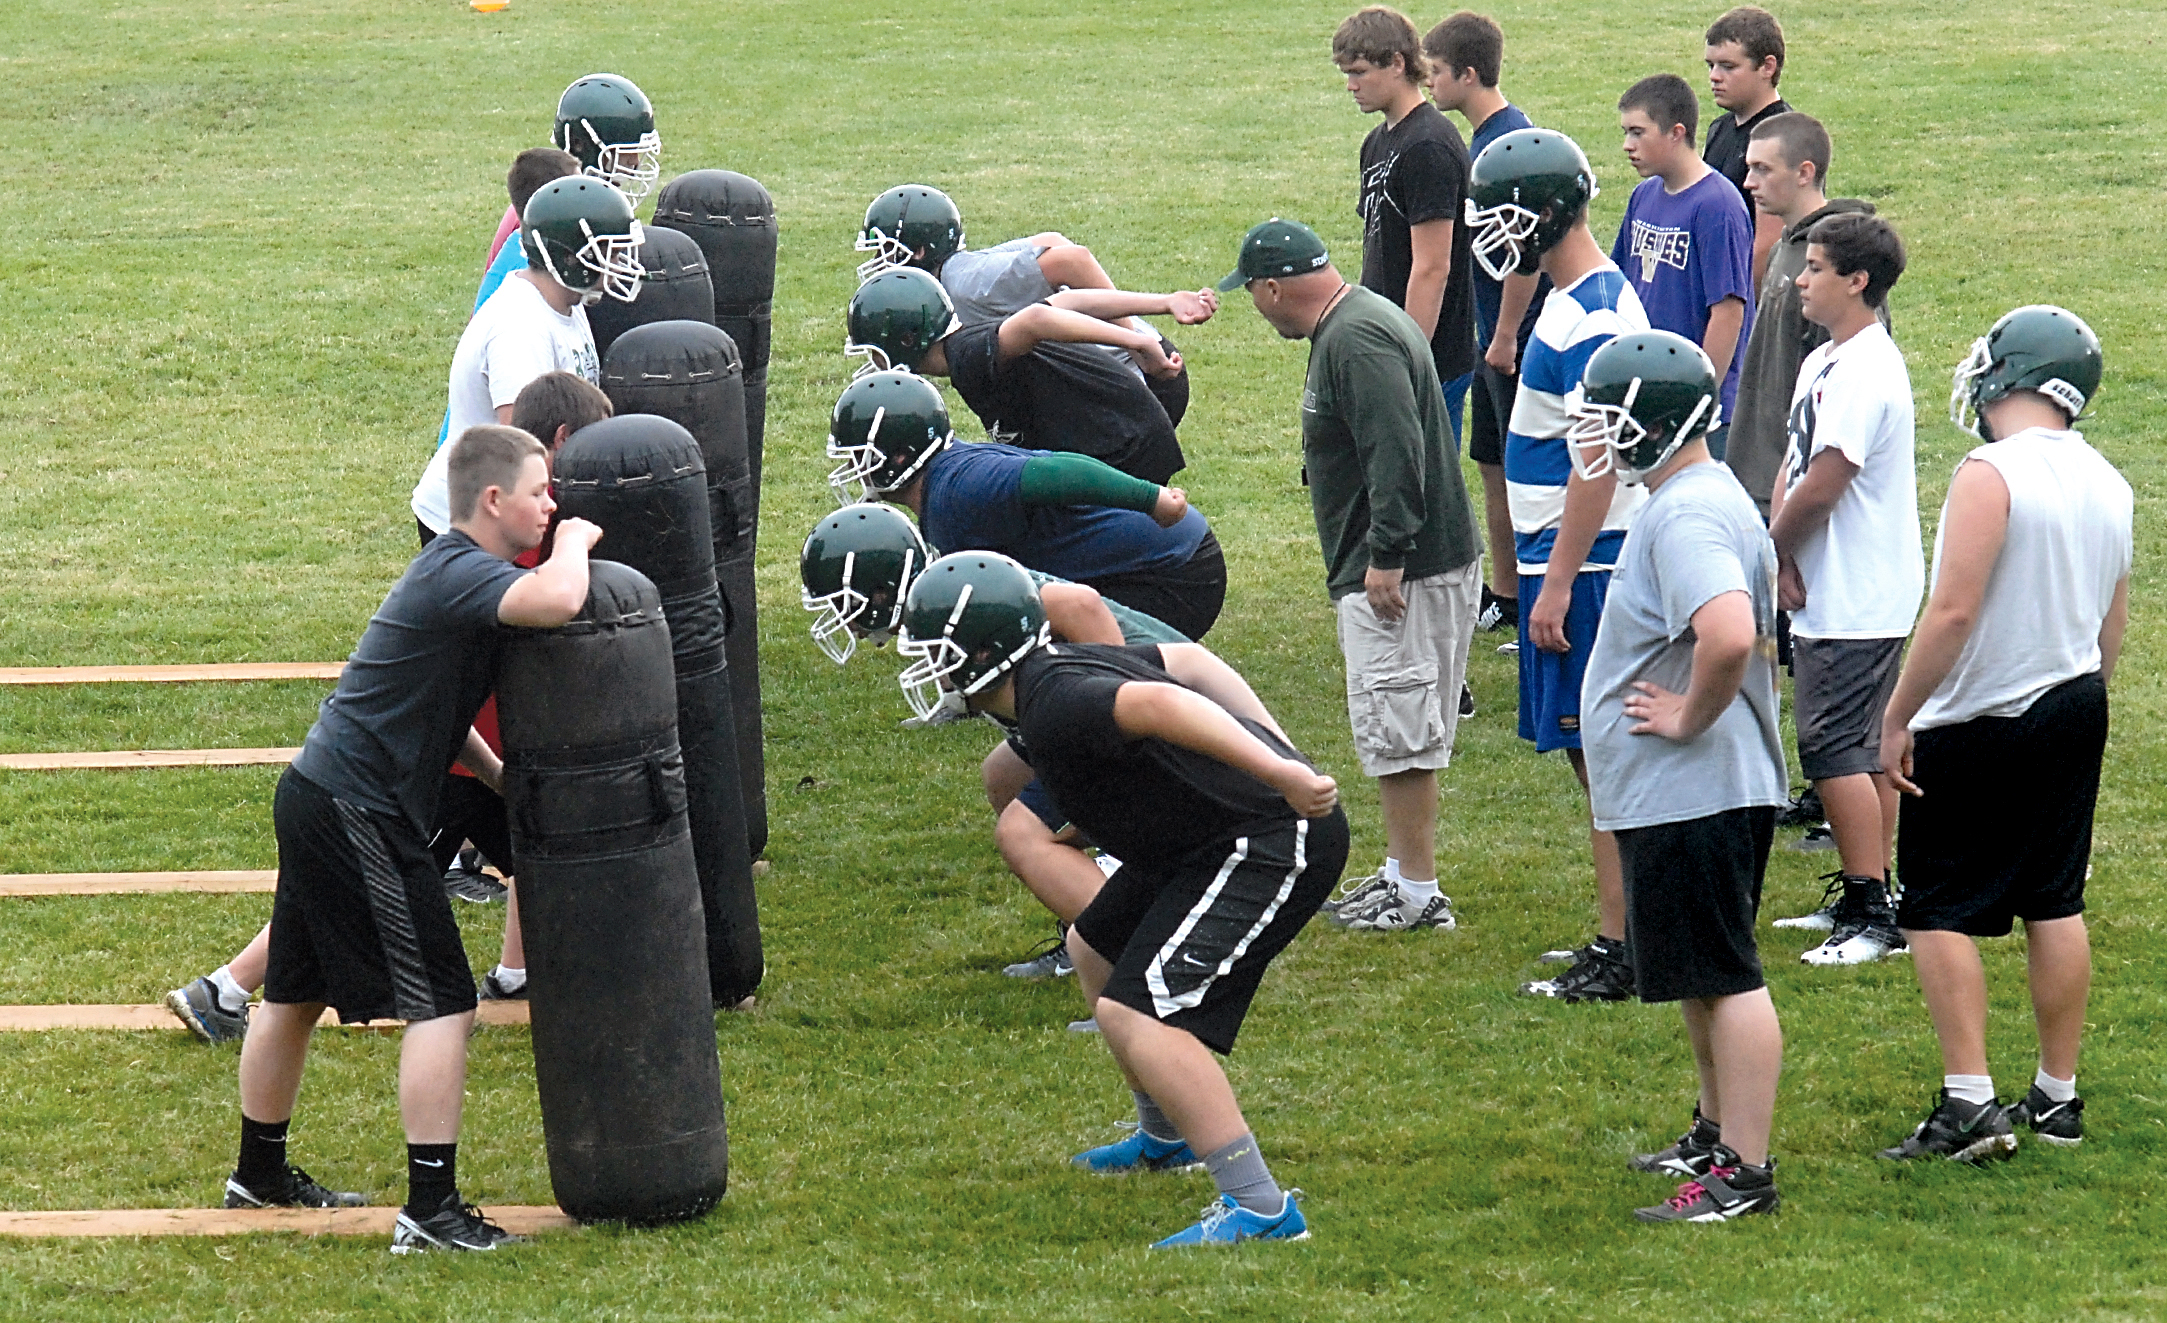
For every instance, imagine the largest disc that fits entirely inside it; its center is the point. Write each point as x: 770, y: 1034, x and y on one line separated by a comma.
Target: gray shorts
x: 1840, y: 689
x: 1403, y: 679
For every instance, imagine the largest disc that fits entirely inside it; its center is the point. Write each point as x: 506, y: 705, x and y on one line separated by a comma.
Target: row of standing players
x: 1679, y: 708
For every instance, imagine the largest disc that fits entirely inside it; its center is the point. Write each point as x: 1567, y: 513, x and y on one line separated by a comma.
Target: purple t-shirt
x: 1685, y: 252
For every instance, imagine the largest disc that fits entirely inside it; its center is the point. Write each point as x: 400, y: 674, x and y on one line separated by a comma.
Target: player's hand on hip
x: 1896, y: 749
x: 1546, y: 621
x: 1172, y: 507
x: 1307, y: 791
x: 1658, y: 712
x: 1192, y: 306
x: 1383, y: 589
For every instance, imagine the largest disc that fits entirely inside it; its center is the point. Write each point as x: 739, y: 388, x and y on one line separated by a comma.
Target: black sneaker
x: 455, y: 1226
x: 1726, y: 1190
x: 465, y: 880
x: 1691, y: 1156
x: 1467, y: 702
x: 1497, y: 612
x: 2057, y: 1123
x: 1599, y: 974
x: 1048, y: 961
x: 1864, y: 926
x: 1804, y: 811
x: 493, y: 989
x: 1959, y: 1131
x: 300, y: 1191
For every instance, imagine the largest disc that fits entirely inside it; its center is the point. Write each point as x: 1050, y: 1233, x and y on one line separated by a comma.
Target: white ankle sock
x: 1392, y: 870
x: 1969, y: 1088
x: 231, y: 995
x: 509, y: 979
x: 2056, y: 1090
x: 1418, y: 894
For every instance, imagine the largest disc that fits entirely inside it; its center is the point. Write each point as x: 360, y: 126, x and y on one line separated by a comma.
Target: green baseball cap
x: 1277, y: 248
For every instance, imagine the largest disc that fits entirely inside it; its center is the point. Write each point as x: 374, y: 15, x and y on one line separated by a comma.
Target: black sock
x: 262, y: 1166
x: 432, y: 1176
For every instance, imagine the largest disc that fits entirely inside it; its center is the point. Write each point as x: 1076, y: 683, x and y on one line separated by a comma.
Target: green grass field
x: 243, y: 237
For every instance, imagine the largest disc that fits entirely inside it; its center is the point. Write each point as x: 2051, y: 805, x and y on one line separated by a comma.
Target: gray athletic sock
x: 1155, y: 1122
x: 1239, y: 1171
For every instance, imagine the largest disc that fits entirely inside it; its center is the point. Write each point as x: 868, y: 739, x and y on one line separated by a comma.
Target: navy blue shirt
x: 1490, y: 294
x: 973, y: 502
x: 400, y: 714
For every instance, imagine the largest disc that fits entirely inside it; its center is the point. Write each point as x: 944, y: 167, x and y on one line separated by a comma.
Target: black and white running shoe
x: 1691, y: 1156
x: 198, y: 1007
x: 1048, y: 961
x: 465, y: 880
x: 455, y: 1226
x: 1356, y: 893
x: 2058, y: 1123
x: 1599, y: 972
x: 1959, y: 1131
x: 1823, y: 916
x: 1864, y: 926
x: 1727, y: 1190
x: 299, y: 1191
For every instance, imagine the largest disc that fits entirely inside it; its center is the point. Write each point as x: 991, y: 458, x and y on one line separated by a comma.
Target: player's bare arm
x: 1723, y: 643
x: 478, y: 758
x: 1721, y: 340
x: 1200, y: 668
x: 1145, y: 710
x: 1587, y: 503
x: 1503, y: 354
x: 554, y: 593
x: 1431, y: 242
x: 1186, y: 306
x: 1078, y: 614
x: 1805, y: 507
x: 1042, y: 323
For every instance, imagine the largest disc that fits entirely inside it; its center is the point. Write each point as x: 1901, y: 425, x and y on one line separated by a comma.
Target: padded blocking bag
x: 609, y: 899
x: 690, y: 373
x: 642, y: 480
x: 674, y: 288
x: 732, y: 218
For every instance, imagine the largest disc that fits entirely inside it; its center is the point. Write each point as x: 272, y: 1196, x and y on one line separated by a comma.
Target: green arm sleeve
x: 1064, y: 479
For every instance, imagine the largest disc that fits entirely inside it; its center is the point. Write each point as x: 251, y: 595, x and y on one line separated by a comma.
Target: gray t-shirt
x: 400, y: 714
x: 1698, y: 537
x: 989, y: 284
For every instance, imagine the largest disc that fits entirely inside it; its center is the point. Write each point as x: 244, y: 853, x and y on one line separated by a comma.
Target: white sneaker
x: 1857, y: 945
x: 1357, y: 893
x: 1393, y: 912
x: 1823, y: 918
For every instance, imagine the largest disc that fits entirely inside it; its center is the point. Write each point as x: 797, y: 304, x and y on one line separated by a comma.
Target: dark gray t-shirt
x: 1698, y: 537
x: 400, y: 714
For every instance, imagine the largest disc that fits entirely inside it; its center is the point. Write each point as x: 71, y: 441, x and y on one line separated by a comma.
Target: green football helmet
x: 2038, y: 347
x: 1523, y: 195
x: 582, y: 232
x: 609, y: 125
x: 897, y: 316
x: 967, y: 621
x: 856, y: 567
x: 1643, y: 395
x: 886, y: 427
x: 909, y: 225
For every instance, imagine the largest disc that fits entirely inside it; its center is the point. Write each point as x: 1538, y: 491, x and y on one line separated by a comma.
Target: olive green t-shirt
x: 1384, y: 474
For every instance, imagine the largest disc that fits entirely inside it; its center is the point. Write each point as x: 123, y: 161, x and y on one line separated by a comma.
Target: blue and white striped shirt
x: 1573, y: 324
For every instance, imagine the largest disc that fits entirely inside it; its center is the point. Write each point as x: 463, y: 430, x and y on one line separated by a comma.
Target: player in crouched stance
x: 1999, y: 722
x: 1685, y: 761
x: 1229, y: 840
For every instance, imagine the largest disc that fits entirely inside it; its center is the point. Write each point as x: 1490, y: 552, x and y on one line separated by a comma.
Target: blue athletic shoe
x: 1228, y: 1223
x: 1139, y: 1152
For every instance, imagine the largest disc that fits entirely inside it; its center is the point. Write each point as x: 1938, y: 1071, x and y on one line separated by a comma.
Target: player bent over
x: 1685, y: 761
x: 856, y: 568
x: 1999, y: 721
x: 361, y: 922
x: 1229, y: 840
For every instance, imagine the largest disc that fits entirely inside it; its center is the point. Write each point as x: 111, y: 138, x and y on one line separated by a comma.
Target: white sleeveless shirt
x: 2069, y: 543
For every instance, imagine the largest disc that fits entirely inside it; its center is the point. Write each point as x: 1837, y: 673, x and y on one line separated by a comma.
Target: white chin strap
x: 1499, y: 235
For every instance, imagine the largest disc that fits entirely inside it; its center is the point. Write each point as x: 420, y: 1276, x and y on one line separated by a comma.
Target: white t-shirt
x: 2068, y: 543
x: 1864, y: 570
x: 514, y: 338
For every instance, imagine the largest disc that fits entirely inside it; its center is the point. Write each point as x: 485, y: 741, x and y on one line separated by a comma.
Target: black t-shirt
x: 1064, y: 397
x: 1726, y: 150
x: 1146, y: 801
x: 1413, y: 172
x: 399, y: 717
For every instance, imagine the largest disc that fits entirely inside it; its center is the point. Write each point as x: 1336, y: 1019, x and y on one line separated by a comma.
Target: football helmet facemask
x: 1643, y: 395
x: 967, y: 621
x: 856, y: 567
x: 1523, y: 195
x: 582, y: 232
x: 886, y: 427
x: 896, y: 317
x: 2038, y: 347
x: 609, y: 125
x: 909, y: 225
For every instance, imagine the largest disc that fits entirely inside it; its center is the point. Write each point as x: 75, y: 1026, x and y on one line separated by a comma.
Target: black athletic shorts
x: 1489, y: 413
x: 360, y: 922
x: 1692, y: 890
x: 467, y: 810
x: 2004, y: 830
x: 1190, y: 947
x: 1840, y: 688
x: 1188, y: 597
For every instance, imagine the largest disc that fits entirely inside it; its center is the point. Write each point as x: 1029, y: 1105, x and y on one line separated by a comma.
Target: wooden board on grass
x: 38, y: 1018
x: 217, y: 881
x: 126, y: 758
x: 170, y: 674
x: 518, y: 1219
